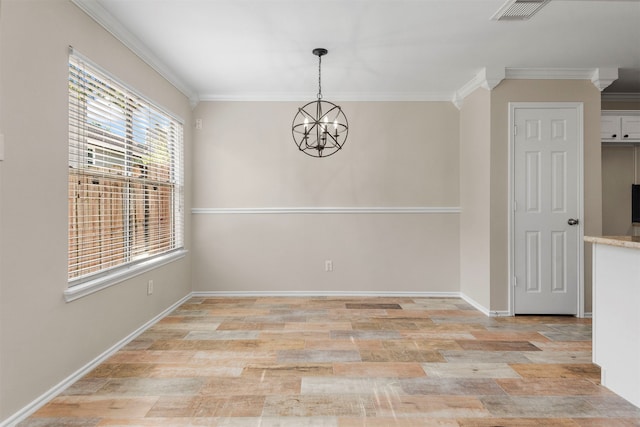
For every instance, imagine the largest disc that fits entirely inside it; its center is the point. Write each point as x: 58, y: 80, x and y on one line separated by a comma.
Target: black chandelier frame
x: 320, y: 128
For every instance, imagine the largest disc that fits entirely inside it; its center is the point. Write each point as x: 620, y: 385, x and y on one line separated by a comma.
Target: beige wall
x: 541, y: 91
x: 475, y: 196
x: 618, y: 173
x: 398, y: 155
x: 43, y: 339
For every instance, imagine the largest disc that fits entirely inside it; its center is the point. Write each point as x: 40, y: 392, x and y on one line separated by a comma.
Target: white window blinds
x: 125, y: 175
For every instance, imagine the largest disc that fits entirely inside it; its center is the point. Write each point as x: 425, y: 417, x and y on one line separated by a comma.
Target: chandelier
x: 320, y: 127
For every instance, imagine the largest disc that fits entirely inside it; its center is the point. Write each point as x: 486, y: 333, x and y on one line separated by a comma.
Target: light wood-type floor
x: 344, y: 362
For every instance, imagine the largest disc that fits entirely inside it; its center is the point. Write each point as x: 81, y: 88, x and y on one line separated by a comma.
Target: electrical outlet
x: 328, y: 266
x: 150, y: 287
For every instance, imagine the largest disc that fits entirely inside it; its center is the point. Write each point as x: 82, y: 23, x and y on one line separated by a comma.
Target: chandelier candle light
x: 320, y: 128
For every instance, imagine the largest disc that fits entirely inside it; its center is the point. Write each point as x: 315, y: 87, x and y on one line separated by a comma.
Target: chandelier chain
x: 319, y: 76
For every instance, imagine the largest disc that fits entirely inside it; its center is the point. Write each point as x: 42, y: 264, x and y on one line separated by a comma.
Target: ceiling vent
x: 515, y: 10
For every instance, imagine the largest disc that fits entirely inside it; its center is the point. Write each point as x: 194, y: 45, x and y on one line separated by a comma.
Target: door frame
x: 579, y: 108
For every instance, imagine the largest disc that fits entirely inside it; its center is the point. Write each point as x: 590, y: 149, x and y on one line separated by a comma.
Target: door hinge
x: 515, y: 206
x: 515, y: 281
x: 515, y: 130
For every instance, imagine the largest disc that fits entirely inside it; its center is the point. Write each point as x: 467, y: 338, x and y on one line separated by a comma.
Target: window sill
x: 97, y: 284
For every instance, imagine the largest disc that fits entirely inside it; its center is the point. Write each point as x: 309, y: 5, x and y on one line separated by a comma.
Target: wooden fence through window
x: 116, y: 219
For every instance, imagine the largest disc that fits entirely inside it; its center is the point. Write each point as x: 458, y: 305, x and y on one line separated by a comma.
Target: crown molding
x: 600, y: 77
x: 549, y: 73
x: 487, y: 78
x: 620, y: 97
x: 99, y: 14
x: 330, y: 96
x: 603, y: 77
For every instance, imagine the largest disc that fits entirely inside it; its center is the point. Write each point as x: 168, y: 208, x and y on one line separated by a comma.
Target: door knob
x: 573, y: 221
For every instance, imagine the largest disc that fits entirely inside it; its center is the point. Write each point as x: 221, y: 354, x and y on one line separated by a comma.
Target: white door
x: 547, y: 147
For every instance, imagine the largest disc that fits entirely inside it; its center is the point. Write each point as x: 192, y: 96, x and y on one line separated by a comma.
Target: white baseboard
x: 363, y: 294
x: 325, y: 294
x: 484, y: 310
x: 497, y: 313
x: 39, y: 402
x: 475, y: 304
x: 500, y: 313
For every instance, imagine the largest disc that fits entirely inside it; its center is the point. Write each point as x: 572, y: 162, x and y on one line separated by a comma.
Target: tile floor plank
x: 345, y: 362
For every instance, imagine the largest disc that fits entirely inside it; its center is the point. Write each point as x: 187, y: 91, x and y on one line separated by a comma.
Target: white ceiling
x: 378, y: 49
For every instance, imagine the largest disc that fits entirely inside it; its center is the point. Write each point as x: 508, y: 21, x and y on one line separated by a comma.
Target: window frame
x: 131, y: 266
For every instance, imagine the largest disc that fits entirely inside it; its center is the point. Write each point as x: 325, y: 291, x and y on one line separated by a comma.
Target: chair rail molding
x: 329, y: 210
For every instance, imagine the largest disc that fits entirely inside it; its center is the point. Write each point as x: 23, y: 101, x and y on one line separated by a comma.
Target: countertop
x: 632, y: 242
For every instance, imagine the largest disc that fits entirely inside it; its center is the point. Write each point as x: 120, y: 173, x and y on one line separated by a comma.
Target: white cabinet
x: 616, y: 318
x: 620, y: 126
x: 630, y: 127
x: 610, y: 127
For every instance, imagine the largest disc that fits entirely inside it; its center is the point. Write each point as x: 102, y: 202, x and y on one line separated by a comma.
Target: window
x: 125, y: 176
